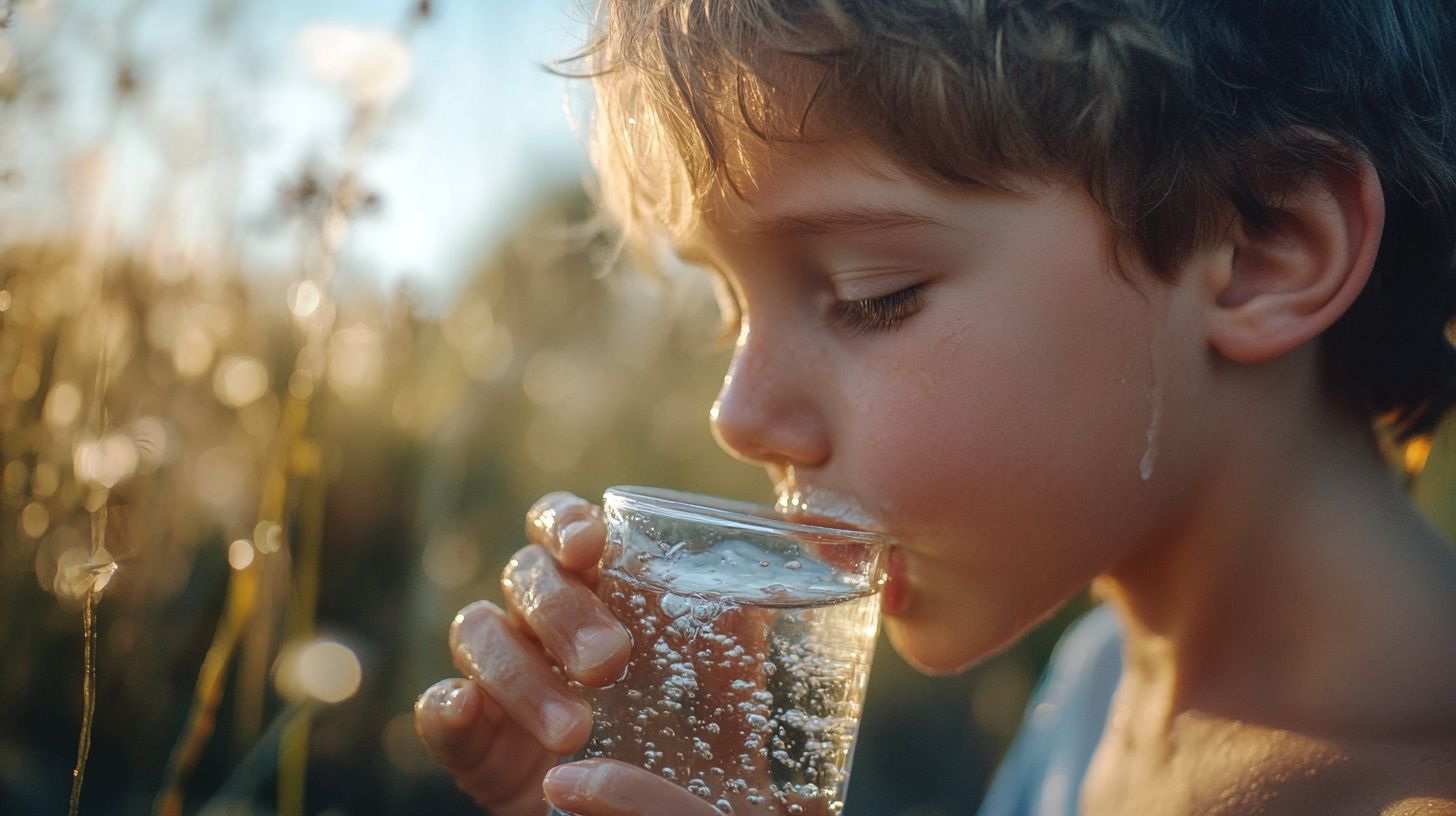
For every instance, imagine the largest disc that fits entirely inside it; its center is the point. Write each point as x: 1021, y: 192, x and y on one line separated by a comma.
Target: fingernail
x: 571, y: 531
x: 594, y: 644
x: 567, y: 778
x: 451, y: 705
x: 443, y: 699
x: 561, y: 718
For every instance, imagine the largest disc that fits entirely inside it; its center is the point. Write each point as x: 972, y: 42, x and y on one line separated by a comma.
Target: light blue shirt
x: 1041, y: 774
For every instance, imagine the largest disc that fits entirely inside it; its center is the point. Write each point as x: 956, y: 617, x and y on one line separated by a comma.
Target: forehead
x: 792, y: 190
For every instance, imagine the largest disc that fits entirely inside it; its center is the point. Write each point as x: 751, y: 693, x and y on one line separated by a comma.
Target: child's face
x: 996, y: 418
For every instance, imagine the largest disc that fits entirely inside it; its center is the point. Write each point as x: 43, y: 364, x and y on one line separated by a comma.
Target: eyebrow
x: 844, y: 219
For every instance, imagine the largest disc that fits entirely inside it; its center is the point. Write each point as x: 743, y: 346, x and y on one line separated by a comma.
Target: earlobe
x: 1284, y: 285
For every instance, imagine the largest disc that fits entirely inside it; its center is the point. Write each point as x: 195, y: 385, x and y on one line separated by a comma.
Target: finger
x: 569, y: 527
x: 514, y: 672
x: 492, y: 759
x: 604, y: 787
x: 571, y: 622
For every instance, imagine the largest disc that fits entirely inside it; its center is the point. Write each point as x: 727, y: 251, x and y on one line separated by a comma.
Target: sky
x: 479, y: 129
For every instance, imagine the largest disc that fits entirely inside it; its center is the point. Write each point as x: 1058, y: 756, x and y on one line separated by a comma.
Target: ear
x: 1284, y: 285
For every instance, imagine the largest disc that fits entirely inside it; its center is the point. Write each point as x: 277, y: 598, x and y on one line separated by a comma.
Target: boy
x: 1059, y: 291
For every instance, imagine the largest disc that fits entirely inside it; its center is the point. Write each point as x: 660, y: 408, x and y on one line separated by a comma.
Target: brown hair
x: 1175, y: 116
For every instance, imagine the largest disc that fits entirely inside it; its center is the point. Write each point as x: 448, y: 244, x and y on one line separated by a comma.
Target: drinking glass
x: 752, y: 634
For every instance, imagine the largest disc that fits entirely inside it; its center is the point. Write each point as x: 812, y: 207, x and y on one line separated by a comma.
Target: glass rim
x: 708, y: 509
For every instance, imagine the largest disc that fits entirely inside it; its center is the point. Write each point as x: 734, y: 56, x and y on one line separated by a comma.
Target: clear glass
x: 752, y: 638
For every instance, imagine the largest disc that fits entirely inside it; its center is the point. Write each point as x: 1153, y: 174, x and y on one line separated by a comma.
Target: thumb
x: 604, y: 787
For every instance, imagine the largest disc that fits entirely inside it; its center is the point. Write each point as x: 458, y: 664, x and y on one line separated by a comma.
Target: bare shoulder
x: 1421, y: 806
x: 1416, y: 779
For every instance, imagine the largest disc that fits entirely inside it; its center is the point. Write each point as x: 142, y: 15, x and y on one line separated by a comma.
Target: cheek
x: 1007, y: 460
x: 1007, y: 434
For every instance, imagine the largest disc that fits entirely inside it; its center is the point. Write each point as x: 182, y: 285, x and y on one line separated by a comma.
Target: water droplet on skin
x: 1155, y: 407
x: 1150, y: 454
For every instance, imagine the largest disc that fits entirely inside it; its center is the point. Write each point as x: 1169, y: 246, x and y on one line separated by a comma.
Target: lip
x: 824, y: 506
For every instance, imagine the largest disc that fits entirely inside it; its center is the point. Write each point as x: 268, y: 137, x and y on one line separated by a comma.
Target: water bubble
x: 698, y: 787
x: 675, y: 606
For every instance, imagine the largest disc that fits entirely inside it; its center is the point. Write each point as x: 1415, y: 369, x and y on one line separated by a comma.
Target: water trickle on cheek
x: 1155, y: 408
x: 1150, y: 452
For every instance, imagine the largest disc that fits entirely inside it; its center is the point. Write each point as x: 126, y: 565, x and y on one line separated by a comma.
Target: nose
x: 767, y: 411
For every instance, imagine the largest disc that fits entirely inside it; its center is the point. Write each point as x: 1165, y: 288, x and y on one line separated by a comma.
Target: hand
x: 499, y: 728
x: 605, y: 787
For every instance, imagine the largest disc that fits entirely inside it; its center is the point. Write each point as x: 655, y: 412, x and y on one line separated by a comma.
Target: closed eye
x: 883, y: 313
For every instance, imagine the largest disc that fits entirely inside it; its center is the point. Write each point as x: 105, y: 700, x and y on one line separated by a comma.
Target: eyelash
x: 877, y: 314
x: 884, y: 313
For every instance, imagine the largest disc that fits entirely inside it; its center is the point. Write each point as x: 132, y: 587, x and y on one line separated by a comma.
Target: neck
x: 1303, y: 592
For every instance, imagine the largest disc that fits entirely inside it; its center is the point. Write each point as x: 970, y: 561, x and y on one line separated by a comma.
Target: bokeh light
x: 240, y: 380
x: 323, y: 670
x: 44, y: 480
x: 240, y: 554
x: 62, y: 405
x: 451, y: 560
x: 106, y: 461
x: 267, y: 537
x: 35, y: 519
x: 371, y: 65
x: 304, y: 298
x: 1417, y: 453
x: 356, y: 362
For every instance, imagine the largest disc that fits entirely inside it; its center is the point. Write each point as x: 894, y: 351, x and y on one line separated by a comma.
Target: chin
x: 931, y: 649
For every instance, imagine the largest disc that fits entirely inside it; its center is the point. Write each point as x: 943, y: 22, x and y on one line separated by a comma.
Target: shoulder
x: 1421, y: 806
x: 1345, y: 777
x: 1407, y: 780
